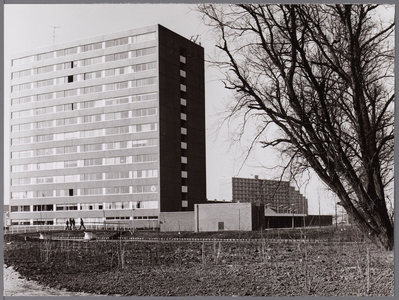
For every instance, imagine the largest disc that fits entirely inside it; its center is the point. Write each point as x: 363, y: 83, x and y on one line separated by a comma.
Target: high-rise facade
x: 108, y: 128
x: 277, y: 196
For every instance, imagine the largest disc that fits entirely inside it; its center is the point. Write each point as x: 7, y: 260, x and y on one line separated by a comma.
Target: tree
x: 324, y: 75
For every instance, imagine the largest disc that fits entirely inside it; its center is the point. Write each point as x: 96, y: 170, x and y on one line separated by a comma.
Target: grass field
x: 317, y: 262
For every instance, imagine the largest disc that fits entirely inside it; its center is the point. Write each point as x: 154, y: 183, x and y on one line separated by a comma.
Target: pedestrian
x: 67, y: 225
x: 82, y: 224
x: 72, y: 221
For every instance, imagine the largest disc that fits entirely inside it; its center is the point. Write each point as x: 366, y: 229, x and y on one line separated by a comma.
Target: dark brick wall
x: 170, y: 45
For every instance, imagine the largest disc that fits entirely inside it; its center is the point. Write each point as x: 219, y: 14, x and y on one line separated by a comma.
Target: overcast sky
x: 35, y: 26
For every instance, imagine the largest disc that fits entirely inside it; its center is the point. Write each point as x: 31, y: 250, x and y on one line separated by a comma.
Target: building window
x: 183, y: 109
x: 91, y: 47
x: 20, y: 208
x: 109, y: 72
x: 48, y: 207
x: 183, y: 80
x: 66, y: 207
x: 182, y: 66
x: 121, y: 41
x: 123, y: 55
x: 220, y: 225
x: 71, y: 51
x: 110, y: 57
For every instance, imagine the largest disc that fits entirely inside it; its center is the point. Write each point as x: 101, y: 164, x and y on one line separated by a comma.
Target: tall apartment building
x: 278, y: 197
x: 108, y: 128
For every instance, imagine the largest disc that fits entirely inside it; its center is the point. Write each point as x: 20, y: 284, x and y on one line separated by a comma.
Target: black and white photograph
x: 198, y: 150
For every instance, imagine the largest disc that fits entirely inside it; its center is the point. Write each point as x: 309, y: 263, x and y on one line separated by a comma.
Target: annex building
x: 109, y: 128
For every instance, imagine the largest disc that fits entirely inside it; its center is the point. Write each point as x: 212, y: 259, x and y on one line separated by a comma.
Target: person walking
x: 82, y: 224
x: 67, y: 225
x: 73, y: 224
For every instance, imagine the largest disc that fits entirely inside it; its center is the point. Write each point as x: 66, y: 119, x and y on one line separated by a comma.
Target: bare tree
x: 324, y: 74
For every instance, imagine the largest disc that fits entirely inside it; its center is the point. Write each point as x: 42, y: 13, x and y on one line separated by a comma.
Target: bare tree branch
x: 323, y: 74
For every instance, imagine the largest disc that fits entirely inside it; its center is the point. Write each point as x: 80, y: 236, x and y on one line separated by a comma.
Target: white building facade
x: 86, y: 130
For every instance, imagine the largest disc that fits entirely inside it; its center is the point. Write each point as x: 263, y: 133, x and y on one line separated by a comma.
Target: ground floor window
x: 146, y: 218
x: 20, y: 222
x: 87, y: 221
x: 20, y: 208
x: 43, y: 222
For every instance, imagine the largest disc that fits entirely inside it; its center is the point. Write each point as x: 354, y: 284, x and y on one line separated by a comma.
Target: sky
x: 39, y: 25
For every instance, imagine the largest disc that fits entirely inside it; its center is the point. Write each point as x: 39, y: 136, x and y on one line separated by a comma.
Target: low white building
x: 223, y: 216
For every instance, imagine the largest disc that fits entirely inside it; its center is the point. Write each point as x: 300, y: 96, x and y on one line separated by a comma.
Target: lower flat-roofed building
x: 217, y: 216
x: 108, y: 129
x: 228, y: 217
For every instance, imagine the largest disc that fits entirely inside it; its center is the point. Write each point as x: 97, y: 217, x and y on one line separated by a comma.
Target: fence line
x: 42, y: 228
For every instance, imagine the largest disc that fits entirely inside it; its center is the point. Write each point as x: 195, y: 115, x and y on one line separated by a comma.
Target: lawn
x: 269, y: 263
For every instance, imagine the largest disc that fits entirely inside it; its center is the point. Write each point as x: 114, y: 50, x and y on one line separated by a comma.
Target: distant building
x: 108, y: 128
x: 247, y: 204
x: 278, y: 197
x: 283, y: 205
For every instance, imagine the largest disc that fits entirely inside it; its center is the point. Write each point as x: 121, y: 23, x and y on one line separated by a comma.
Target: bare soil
x: 253, y: 267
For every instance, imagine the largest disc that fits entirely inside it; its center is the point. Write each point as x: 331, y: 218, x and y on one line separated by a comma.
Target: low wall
x: 176, y: 221
x: 223, y: 216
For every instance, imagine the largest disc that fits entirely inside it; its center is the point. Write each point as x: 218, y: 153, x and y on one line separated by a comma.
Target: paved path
x: 15, y: 285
